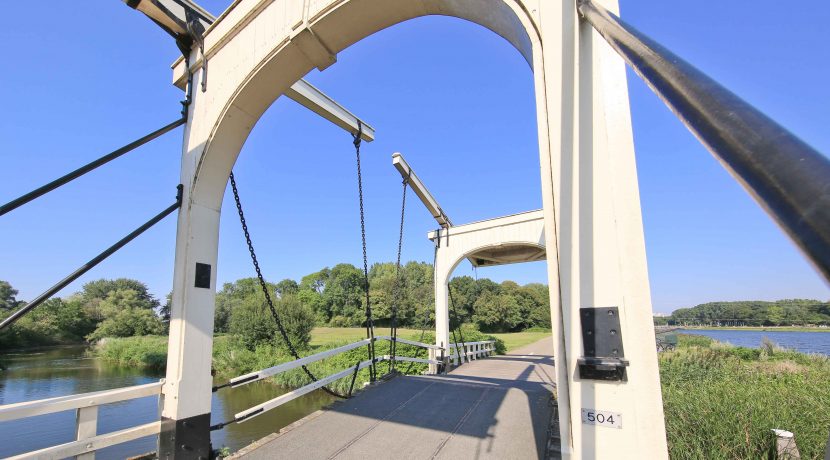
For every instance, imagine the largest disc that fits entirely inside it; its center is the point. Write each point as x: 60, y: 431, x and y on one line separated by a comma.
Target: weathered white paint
x: 63, y: 403
x: 592, y: 223
x: 86, y: 426
x: 76, y: 448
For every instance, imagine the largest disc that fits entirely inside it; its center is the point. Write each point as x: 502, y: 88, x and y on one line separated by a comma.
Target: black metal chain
x: 458, y: 321
x: 370, y: 326
x: 264, y: 287
x: 396, y: 292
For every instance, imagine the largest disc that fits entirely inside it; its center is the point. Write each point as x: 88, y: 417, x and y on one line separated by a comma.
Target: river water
x: 63, y: 371
x: 805, y: 342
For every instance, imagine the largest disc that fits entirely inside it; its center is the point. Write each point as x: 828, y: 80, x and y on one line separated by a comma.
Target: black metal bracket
x: 604, y: 357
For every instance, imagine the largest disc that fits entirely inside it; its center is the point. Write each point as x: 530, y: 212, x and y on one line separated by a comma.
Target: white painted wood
x: 86, y: 426
x: 101, y: 441
x: 280, y: 400
x: 279, y: 368
x: 414, y: 360
x: 318, y: 102
x: 62, y: 403
x: 408, y: 342
x: 592, y: 220
x: 421, y: 190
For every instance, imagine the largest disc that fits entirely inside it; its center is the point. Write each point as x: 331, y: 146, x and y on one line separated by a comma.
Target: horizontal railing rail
x: 86, y: 419
x: 290, y: 396
x: 280, y: 368
x: 472, y: 349
x: 284, y: 367
x: 79, y: 401
x: 408, y: 342
x: 787, y: 177
x: 91, y: 444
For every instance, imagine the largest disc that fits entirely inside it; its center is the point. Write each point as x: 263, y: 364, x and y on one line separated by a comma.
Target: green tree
x: 497, y: 312
x: 126, y: 313
x: 287, y: 287
x: 7, y: 296
x: 95, y: 292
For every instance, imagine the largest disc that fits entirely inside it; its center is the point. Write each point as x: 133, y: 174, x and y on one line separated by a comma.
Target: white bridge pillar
x: 504, y: 240
x: 591, y: 208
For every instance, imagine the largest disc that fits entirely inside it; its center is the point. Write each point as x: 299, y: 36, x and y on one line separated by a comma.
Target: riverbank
x: 231, y: 359
x: 755, y: 328
x: 721, y: 401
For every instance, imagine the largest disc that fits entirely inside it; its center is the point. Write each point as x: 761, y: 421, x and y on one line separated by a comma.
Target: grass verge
x: 721, y: 401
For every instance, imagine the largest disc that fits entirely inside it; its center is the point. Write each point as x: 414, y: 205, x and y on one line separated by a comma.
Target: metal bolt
x: 613, y: 332
x: 614, y: 351
x: 610, y: 312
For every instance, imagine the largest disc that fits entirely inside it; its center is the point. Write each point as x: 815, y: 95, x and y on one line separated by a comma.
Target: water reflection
x: 67, y: 370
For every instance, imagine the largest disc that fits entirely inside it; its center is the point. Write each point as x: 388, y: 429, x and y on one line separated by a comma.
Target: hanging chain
x: 370, y: 325
x: 459, y: 322
x: 396, y: 292
x: 264, y: 287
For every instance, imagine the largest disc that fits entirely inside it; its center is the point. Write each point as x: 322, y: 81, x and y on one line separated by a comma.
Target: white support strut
x: 421, y: 190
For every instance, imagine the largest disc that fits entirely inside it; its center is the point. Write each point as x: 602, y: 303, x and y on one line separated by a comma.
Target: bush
x: 253, y: 325
x: 128, y: 323
x: 147, y: 351
x: 298, y: 320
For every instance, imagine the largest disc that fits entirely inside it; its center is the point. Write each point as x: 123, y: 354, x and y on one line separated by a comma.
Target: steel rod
x: 40, y: 191
x: 787, y: 177
x: 92, y: 263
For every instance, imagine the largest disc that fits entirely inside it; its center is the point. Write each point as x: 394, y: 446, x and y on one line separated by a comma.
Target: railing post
x: 433, y: 368
x: 86, y: 426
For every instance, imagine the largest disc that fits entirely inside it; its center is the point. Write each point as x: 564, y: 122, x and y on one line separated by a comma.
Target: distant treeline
x: 336, y: 298
x: 787, y: 312
x: 329, y: 297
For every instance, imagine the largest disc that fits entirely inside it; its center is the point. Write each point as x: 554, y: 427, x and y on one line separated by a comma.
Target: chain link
x: 396, y: 293
x: 264, y: 287
x: 370, y: 325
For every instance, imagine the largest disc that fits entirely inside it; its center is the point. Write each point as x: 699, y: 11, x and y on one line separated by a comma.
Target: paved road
x: 493, y: 408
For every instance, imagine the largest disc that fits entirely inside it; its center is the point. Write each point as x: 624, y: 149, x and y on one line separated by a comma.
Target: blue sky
x: 455, y: 99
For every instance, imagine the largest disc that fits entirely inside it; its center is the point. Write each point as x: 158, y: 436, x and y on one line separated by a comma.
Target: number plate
x: 601, y: 418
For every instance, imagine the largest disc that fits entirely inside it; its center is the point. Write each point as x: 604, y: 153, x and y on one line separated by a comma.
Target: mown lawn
x: 325, y: 335
x: 514, y: 340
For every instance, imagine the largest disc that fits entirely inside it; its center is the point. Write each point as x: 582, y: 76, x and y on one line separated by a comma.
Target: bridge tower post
x: 187, y: 391
x: 596, y: 250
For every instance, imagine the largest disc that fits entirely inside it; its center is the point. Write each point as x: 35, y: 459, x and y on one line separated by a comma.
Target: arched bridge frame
x: 520, y: 234
x: 596, y: 252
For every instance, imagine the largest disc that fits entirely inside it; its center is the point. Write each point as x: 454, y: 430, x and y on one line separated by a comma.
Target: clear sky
x: 79, y: 79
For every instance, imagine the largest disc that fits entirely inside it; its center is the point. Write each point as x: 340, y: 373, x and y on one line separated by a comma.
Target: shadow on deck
x: 499, y: 407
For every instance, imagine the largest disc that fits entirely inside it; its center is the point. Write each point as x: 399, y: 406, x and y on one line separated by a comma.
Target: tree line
x: 329, y: 297
x: 786, y: 312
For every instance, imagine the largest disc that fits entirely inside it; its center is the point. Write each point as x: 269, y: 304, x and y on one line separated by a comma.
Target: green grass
x: 721, y: 401
x: 326, y: 335
x: 514, y: 340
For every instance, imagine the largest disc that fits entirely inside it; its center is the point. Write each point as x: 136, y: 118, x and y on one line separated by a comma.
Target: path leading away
x: 493, y: 408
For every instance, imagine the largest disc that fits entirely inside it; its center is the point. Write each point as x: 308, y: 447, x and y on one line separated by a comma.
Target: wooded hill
x: 786, y: 312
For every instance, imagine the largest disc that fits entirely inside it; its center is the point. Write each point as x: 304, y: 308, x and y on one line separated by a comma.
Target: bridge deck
x: 498, y: 407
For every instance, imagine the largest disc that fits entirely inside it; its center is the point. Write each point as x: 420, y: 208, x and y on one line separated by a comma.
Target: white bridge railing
x: 469, y: 351
x: 86, y: 420
x: 86, y: 404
